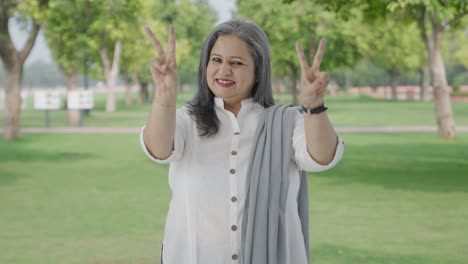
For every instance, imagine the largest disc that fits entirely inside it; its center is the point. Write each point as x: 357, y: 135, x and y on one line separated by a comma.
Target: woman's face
x: 231, y: 69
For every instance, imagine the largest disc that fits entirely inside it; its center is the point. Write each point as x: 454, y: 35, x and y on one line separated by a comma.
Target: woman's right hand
x: 164, y: 70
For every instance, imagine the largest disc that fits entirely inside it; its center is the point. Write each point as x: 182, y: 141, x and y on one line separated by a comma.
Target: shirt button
x: 233, y: 227
x: 233, y: 199
x: 237, y: 133
x: 234, y: 152
x: 232, y: 171
x: 235, y: 257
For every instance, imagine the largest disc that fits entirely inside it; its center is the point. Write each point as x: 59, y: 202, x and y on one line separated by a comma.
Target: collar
x: 247, y: 103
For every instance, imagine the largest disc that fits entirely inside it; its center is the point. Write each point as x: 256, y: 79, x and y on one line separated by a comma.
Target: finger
x: 161, y: 67
x: 302, y: 58
x: 156, y: 63
x: 322, y: 81
x: 155, y: 41
x: 323, y: 77
x: 157, y: 76
x: 318, y: 56
x: 171, y: 44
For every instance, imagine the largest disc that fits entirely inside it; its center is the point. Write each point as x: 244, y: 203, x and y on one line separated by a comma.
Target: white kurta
x: 207, y: 179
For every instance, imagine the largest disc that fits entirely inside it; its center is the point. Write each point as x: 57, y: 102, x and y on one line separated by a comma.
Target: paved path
x: 135, y: 130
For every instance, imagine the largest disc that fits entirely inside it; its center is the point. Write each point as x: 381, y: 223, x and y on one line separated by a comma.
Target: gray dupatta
x: 263, y: 237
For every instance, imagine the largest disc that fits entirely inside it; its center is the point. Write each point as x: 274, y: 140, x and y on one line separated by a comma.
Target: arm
x: 320, y: 136
x: 158, y: 134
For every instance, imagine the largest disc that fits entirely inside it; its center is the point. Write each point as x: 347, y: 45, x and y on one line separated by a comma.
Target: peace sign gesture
x: 313, y: 81
x: 164, y: 69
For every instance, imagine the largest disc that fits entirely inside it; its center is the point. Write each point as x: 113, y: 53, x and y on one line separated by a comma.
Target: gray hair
x: 259, y: 49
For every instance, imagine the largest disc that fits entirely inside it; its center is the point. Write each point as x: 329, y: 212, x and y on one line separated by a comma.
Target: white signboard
x: 47, y: 100
x: 24, y: 100
x: 82, y: 99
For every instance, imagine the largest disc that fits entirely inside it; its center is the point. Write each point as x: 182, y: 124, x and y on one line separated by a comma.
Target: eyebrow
x: 233, y: 57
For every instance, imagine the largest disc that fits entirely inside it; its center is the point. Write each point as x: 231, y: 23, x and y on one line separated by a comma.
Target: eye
x: 237, y: 63
x: 215, y: 59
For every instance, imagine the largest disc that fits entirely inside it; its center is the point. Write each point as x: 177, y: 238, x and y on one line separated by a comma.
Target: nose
x: 225, y: 69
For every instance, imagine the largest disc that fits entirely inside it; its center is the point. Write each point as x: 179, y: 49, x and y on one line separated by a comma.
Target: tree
x: 64, y: 31
x: 192, y: 20
x: 396, y: 48
x: 434, y: 18
x: 305, y: 22
x: 109, y: 24
x: 31, y: 11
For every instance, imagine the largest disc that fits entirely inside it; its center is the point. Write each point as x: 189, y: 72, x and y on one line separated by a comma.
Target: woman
x: 209, y: 141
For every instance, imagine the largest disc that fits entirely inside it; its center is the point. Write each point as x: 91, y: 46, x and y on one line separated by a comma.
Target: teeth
x: 225, y: 81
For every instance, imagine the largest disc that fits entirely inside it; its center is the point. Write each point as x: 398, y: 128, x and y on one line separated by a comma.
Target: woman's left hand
x: 313, y: 81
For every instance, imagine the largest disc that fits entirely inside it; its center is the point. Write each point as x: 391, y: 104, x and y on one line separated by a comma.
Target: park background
x: 72, y: 193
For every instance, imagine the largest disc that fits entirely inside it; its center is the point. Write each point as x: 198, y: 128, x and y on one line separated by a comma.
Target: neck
x: 233, y: 108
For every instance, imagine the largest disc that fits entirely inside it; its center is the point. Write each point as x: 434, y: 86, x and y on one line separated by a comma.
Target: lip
x: 226, y: 83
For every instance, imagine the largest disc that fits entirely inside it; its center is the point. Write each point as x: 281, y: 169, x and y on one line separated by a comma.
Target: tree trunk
x: 111, y: 73
x: 293, y: 82
x: 293, y: 87
x: 128, y: 90
x: 443, y: 105
x: 13, y: 61
x: 143, y: 93
x: 432, y: 40
x: 128, y: 95
x: 11, y: 116
x: 73, y: 114
x: 348, y: 81
x: 424, y: 82
x: 394, y: 80
x: 275, y: 86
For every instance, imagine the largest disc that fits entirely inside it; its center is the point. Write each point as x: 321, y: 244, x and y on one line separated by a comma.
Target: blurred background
x: 75, y: 89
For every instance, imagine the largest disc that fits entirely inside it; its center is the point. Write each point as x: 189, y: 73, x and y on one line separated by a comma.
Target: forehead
x: 230, y: 45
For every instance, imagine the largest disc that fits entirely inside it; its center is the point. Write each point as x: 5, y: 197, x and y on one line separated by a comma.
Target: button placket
x: 232, y: 174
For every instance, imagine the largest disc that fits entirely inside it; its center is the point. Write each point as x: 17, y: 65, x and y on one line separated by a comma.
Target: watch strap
x: 316, y: 110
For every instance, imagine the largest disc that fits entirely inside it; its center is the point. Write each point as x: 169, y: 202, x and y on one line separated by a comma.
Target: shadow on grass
x: 34, y: 155
x: 24, y: 155
x: 427, y: 167
x: 19, y: 153
x: 328, y: 253
x: 7, y: 177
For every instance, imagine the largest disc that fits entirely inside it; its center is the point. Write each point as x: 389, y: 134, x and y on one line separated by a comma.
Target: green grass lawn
x: 344, y: 110
x: 394, y: 198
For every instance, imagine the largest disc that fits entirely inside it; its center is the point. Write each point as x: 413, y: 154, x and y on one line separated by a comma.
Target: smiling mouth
x: 225, y: 83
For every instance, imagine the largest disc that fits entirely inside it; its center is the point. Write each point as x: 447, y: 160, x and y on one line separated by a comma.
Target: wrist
x: 164, y: 103
x: 312, y: 104
x: 315, y: 110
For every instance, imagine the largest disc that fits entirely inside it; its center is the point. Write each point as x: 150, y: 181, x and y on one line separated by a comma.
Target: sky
x: 41, y: 52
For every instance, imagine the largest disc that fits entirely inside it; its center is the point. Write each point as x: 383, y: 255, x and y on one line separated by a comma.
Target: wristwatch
x: 316, y: 110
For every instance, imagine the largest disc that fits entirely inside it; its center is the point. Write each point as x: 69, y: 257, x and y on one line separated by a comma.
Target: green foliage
x: 365, y: 73
x: 396, y: 47
x: 35, y: 9
x: 457, y: 45
x: 111, y: 21
x: 306, y: 22
x: 66, y: 34
x: 192, y: 22
x: 79, y: 25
